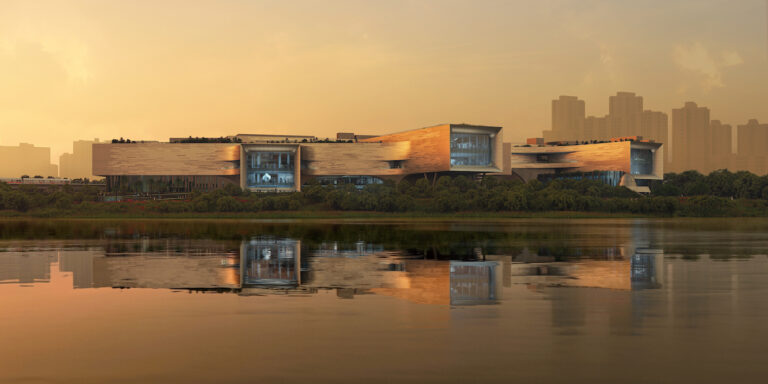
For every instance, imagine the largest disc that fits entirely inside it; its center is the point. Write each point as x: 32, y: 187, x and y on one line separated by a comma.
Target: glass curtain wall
x: 641, y: 161
x: 470, y: 149
x: 271, y: 169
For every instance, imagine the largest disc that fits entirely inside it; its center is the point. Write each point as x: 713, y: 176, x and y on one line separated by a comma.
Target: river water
x: 550, y: 301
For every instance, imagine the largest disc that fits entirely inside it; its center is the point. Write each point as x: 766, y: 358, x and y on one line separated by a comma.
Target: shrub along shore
x: 688, y: 194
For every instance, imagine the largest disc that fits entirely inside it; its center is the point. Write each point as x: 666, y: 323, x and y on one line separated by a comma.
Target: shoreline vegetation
x: 688, y: 194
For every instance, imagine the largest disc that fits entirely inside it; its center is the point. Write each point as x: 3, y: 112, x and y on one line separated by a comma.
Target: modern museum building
x: 275, y: 163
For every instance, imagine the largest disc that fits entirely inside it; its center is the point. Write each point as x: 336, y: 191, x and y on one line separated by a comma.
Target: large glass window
x: 271, y: 169
x: 641, y: 161
x: 470, y: 149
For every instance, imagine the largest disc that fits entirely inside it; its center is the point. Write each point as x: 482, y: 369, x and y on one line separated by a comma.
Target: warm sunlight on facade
x: 153, y: 70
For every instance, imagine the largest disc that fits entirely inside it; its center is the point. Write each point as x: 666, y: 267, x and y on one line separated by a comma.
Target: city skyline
x: 109, y: 69
x: 716, y: 145
x: 703, y: 144
x: 693, y: 139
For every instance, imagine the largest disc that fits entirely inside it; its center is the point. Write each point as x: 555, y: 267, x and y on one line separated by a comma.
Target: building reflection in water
x: 647, y: 268
x: 154, y: 264
x: 336, y: 249
x: 475, y: 282
x: 26, y: 267
x: 266, y: 265
x: 269, y: 261
x: 630, y: 269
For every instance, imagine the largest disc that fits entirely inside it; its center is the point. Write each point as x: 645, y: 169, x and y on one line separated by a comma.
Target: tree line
x: 721, y: 193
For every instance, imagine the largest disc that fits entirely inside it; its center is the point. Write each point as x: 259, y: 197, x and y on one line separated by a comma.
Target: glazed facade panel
x: 270, y: 169
x: 471, y: 149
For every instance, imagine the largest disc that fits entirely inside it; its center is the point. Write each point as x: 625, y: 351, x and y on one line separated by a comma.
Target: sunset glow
x: 151, y: 70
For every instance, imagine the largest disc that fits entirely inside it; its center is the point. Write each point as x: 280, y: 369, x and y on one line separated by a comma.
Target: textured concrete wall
x: 430, y: 148
x: 331, y: 159
x: 602, y: 157
x: 585, y: 158
x: 166, y: 159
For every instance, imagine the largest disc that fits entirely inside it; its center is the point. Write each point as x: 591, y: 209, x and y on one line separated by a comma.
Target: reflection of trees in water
x: 561, y: 239
x: 169, y: 247
x: 720, y: 252
x: 431, y: 240
x: 564, y: 252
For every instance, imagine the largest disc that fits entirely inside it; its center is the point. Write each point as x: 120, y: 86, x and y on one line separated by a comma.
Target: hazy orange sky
x: 154, y: 69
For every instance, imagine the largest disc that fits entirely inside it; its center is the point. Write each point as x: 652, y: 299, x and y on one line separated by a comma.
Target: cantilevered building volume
x: 629, y: 162
x: 275, y: 163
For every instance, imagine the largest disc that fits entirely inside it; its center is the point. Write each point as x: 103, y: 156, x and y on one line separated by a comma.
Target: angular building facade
x: 450, y: 148
x: 630, y: 163
x: 284, y: 165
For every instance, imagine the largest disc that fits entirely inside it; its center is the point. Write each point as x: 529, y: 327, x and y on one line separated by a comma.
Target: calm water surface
x: 552, y: 301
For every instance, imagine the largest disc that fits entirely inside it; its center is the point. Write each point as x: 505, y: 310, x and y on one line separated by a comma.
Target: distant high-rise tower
x: 568, y: 114
x: 691, y: 138
x: 596, y: 128
x: 625, y: 111
x: 26, y: 159
x: 626, y: 117
x: 752, y: 147
x: 722, y: 143
x: 752, y: 138
x: 78, y: 164
x: 654, y: 125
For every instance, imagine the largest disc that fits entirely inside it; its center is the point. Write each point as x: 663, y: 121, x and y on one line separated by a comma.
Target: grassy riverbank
x: 317, y: 214
x: 720, y: 194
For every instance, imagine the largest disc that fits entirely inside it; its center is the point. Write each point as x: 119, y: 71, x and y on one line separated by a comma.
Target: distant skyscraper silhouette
x: 567, y: 119
x: 26, y: 159
x: 694, y: 143
x: 691, y: 138
x: 596, y: 128
x: 752, y: 147
x: 722, y: 145
x: 79, y: 163
x: 626, y: 118
x: 654, y: 125
x: 625, y: 111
